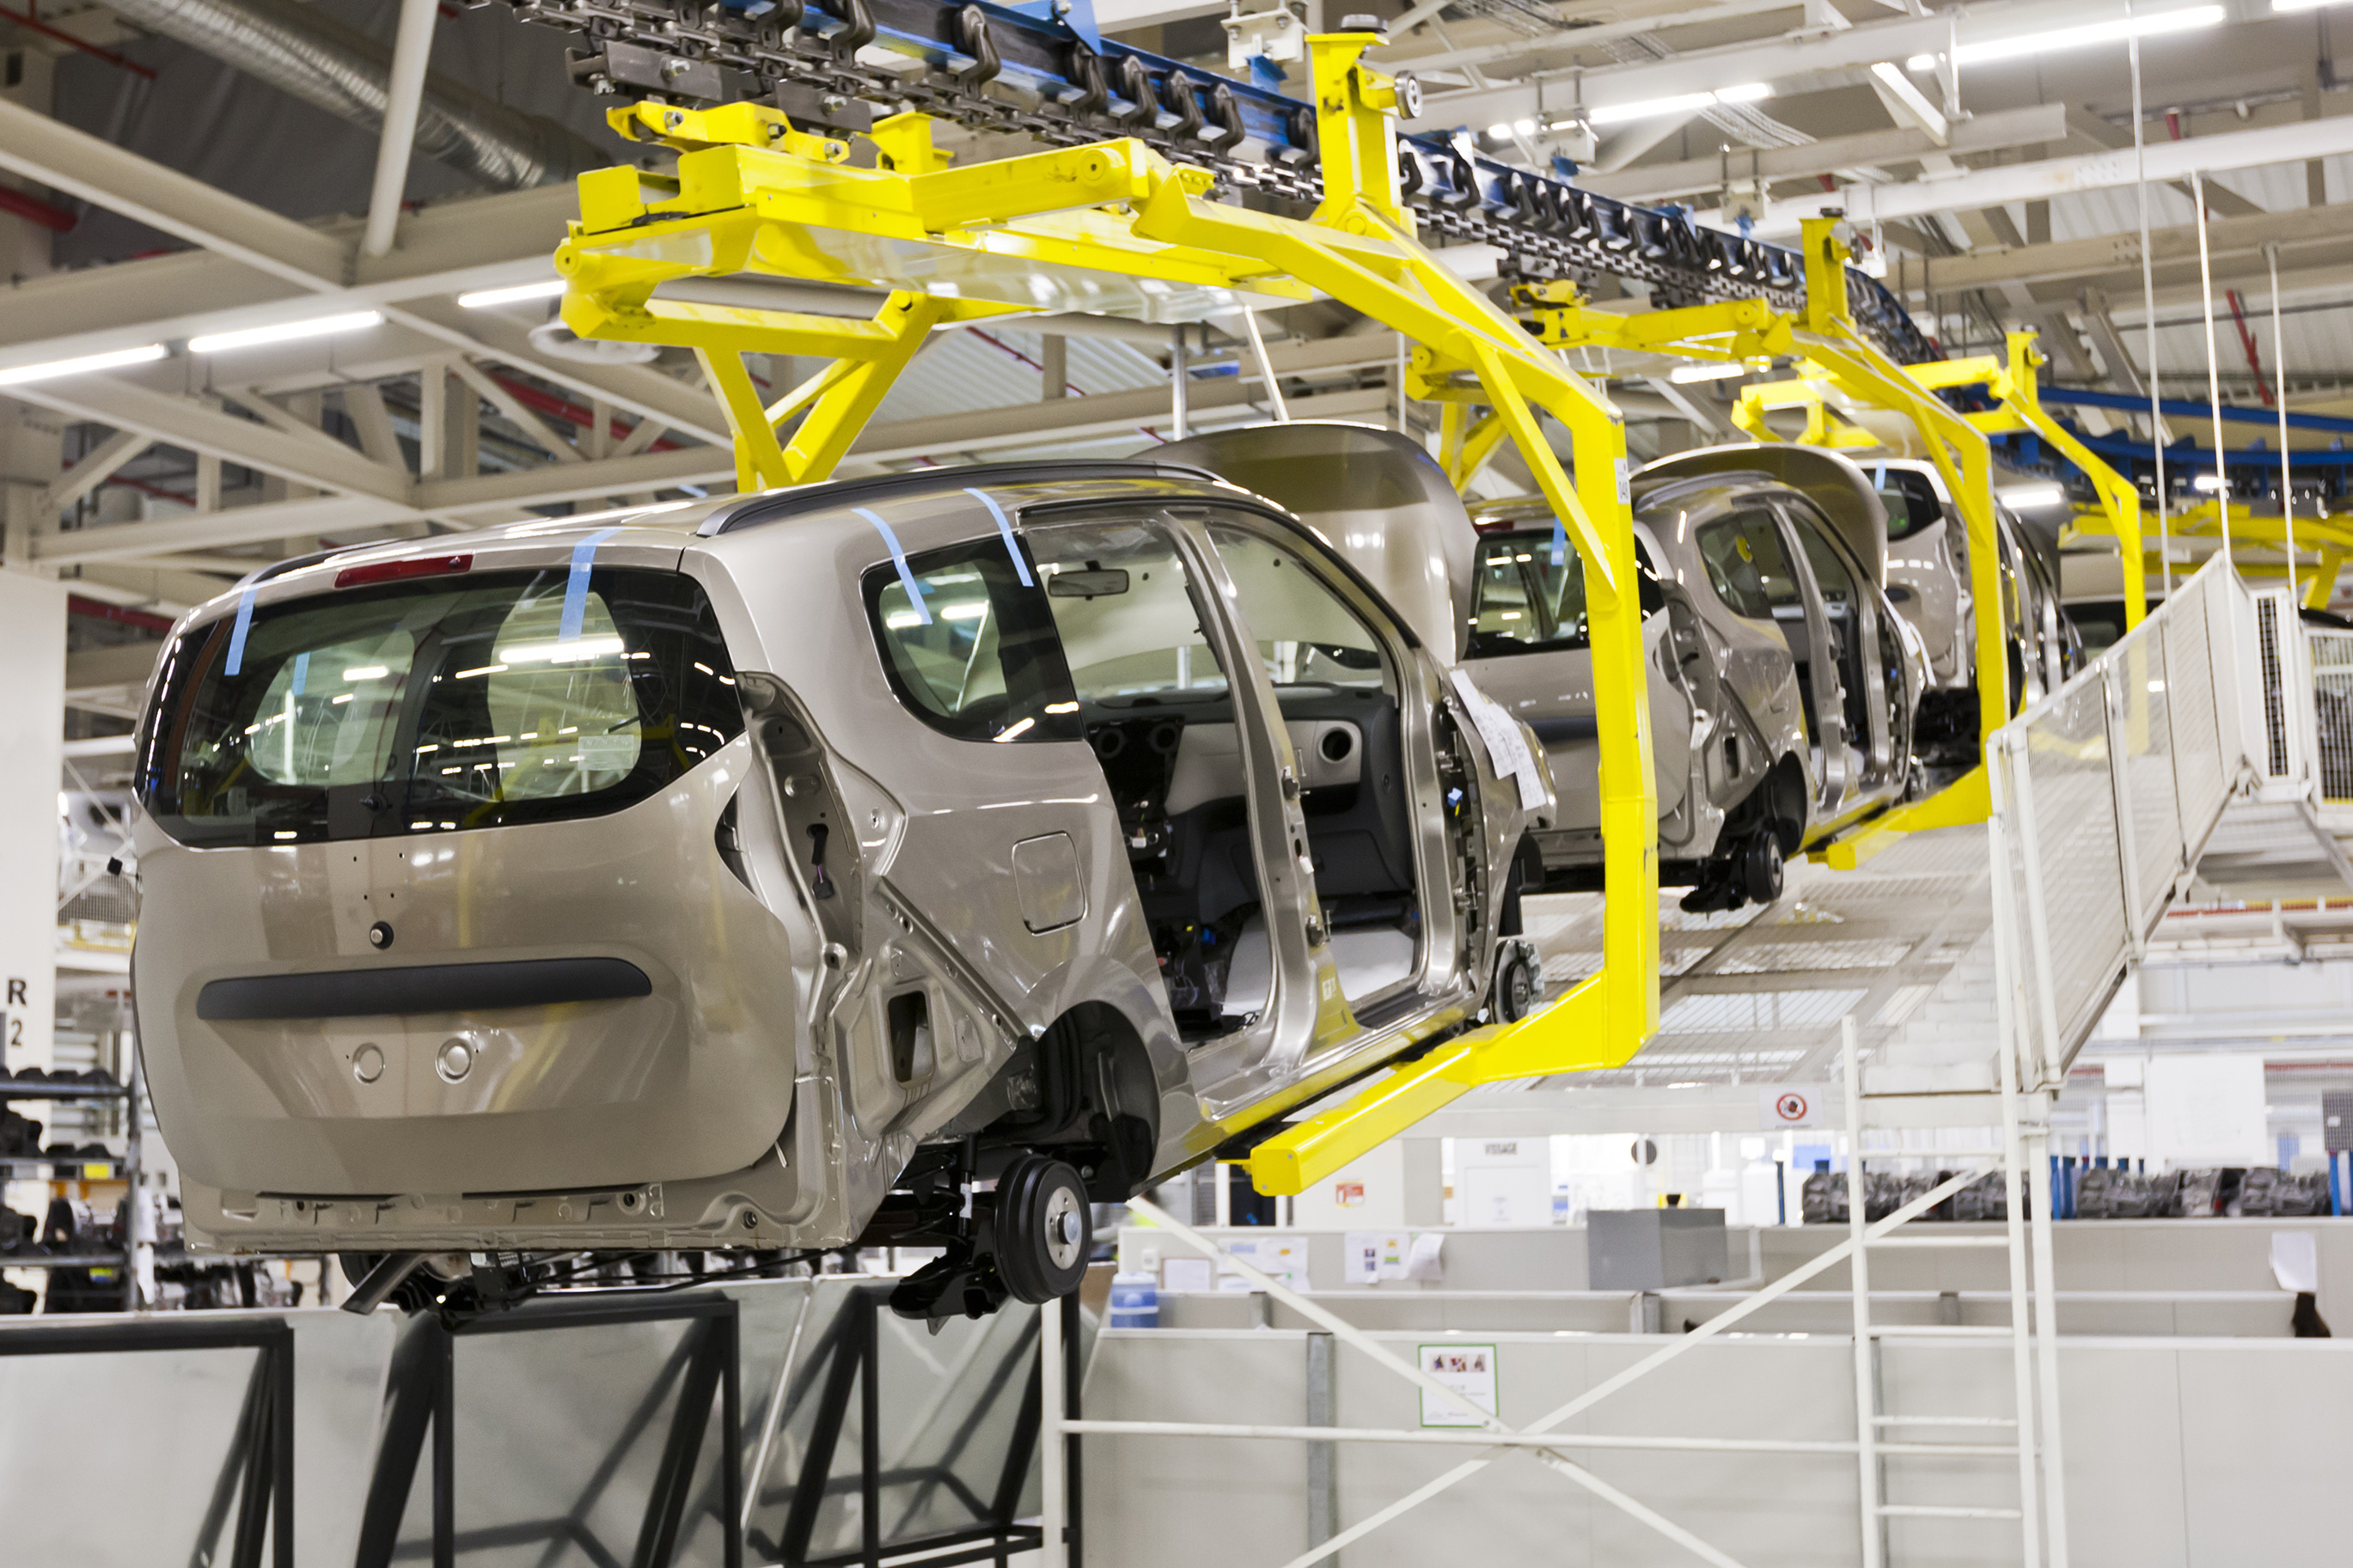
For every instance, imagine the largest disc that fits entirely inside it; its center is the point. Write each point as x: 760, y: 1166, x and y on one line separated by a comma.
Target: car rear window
x: 436, y: 705
x: 1527, y: 601
x: 1910, y: 500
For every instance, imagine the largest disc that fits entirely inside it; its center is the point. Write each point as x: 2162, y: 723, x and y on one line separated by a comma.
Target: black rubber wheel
x: 1517, y: 989
x: 1761, y: 866
x: 1044, y: 1229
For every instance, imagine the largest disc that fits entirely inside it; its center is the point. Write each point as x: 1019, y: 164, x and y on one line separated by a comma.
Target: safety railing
x: 2330, y: 657
x: 2104, y: 795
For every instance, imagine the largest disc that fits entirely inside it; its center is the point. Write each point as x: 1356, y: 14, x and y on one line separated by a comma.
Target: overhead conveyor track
x: 994, y: 68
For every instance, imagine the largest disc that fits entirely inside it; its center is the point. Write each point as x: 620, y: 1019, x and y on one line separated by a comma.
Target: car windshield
x: 436, y: 705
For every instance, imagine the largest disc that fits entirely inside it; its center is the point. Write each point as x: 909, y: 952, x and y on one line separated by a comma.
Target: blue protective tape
x: 576, y: 586
x: 302, y: 673
x: 898, y: 559
x: 1005, y: 532
x: 1559, y: 542
x: 235, y: 664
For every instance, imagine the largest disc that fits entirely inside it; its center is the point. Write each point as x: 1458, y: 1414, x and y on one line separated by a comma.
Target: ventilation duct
x: 344, y: 72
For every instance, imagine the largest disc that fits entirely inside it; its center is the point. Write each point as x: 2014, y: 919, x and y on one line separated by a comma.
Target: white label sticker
x: 1625, y: 482
x: 1508, y: 756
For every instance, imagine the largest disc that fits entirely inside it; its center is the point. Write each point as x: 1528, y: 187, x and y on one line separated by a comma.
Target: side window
x: 1747, y: 565
x: 970, y: 648
x: 1831, y: 573
x: 1308, y: 635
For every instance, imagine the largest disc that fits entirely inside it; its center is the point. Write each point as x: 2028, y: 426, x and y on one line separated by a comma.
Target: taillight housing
x: 395, y: 571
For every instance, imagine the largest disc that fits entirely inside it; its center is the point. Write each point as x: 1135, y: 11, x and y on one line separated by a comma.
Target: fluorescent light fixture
x: 2112, y: 32
x: 2209, y: 483
x: 2302, y: 5
x: 1499, y: 132
x: 1690, y: 373
x: 969, y: 610
x: 1683, y: 104
x: 2034, y: 495
x: 285, y: 333
x: 367, y: 672
x: 1523, y: 127
x: 25, y: 373
x: 483, y: 298
x: 560, y: 652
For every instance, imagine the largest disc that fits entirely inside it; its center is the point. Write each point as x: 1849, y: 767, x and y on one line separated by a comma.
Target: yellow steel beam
x: 954, y: 243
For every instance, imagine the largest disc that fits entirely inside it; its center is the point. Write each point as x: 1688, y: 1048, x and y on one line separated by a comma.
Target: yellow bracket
x: 730, y: 125
x: 1062, y: 228
x: 2012, y: 381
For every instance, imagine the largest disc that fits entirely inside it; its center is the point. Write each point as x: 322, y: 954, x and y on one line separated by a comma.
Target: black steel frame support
x: 854, y: 1345
x: 257, y: 1473
x: 420, y: 1395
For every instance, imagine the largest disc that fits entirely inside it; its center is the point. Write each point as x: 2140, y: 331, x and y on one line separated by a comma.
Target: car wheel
x: 1043, y: 1229
x: 1761, y: 866
x: 1519, y: 985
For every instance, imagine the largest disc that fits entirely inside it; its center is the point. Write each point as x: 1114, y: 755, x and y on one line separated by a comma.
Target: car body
x: 1928, y: 579
x: 1740, y: 785
x: 1782, y: 684
x: 784, y: 870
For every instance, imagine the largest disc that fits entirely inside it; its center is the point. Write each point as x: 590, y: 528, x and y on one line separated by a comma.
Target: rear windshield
x: 1530, y: 594
x: 1910, y: 500
x: 434, y: 706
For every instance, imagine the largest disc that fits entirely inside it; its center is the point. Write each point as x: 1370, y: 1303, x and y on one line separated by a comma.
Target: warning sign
x: 1793, y: 1105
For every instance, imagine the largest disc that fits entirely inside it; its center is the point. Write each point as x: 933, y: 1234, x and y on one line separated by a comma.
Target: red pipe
x: 33, y: 209
x: 121, y: 615
x: 571, y: 412
x: 34, y: 24
x: 2247, y: 341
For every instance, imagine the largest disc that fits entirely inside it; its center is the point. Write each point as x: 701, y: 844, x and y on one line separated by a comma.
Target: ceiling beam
x: 1802, y: 53
x: 1992, y: 132
x: 2107, y: 253
x: 217, y: 530
x: 2101, y: 171
x: 191, y: 426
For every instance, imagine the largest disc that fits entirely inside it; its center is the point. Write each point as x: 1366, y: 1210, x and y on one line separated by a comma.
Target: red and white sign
x: 1792, y: 1105
x: 1348, y: 1194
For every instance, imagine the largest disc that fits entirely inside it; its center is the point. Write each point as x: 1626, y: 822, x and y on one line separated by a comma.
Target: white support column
x: 2046, y: 1346
x: 32, y: 737
x: 1866, y: 1402
x: 1053, y: 1479
x: 412, y: 47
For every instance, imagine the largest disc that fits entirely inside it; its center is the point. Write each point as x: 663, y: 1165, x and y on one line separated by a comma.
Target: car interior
x: 1158, y: 710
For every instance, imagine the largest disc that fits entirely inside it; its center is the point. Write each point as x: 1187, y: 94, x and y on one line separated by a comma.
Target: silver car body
x: 1751, y: 727
x: 1928, y: 579
x: 1729, y: 706
x: 501, y: 1019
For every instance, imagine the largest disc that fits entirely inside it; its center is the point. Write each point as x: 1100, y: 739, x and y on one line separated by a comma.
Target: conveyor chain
x: 990, y: 68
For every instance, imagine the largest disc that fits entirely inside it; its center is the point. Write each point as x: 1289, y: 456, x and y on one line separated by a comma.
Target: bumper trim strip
x: 422, y: 988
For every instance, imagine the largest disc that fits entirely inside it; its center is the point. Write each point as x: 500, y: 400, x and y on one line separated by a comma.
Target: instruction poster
x: 1374, y: 1255
x: 1470, y: 1370
x: 1281, y: 1258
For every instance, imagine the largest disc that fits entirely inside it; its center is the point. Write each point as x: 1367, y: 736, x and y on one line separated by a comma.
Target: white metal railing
x: 2104, y: 792
x: 2330, y: 662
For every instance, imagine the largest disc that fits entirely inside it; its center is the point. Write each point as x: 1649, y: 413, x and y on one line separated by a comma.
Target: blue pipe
x: 2182, y: 408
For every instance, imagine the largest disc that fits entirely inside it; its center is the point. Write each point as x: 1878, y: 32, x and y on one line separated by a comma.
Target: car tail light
x: 394, y: 571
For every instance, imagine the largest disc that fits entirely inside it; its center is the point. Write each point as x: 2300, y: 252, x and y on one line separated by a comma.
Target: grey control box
x: 1653, y: 1249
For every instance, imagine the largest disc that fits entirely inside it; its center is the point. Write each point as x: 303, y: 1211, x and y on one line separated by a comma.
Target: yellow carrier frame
x: 753, y: 193
x: 1833, y: 354
x: 2329, y: 538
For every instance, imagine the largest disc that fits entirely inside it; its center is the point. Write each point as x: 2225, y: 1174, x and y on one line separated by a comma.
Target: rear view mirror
x: 1095, y: 582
